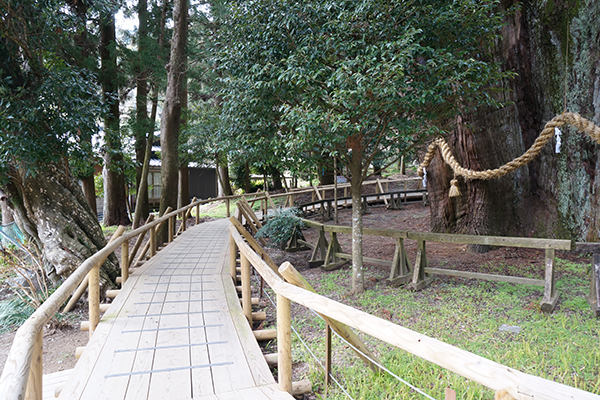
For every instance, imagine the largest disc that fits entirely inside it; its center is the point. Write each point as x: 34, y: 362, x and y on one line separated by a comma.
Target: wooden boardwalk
x: 176, y: 331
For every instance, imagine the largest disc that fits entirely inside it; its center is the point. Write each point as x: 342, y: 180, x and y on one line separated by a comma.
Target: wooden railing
x: 417, y: 276
x: 506, y: 382
x: 22, y: 374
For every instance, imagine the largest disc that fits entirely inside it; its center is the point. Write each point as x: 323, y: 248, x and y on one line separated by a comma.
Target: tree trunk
x: 277, y: 185
x: 224, y: 175
x: 115, y: 197
x: 184, y: 186
x: 247, y: 185
x: 556, y: 195
x: 358, y: 277
x: 50, y: 207
x: 143, y: 126
x: 89, y: 191
x: 7, y: 216
x: 171, y: 116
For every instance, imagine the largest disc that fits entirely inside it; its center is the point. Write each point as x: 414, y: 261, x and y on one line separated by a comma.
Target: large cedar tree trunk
x: 50, y: 208
x: 556, y: 195
x: 171, y: 115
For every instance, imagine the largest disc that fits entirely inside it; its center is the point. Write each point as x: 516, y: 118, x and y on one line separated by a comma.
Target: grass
x: 562, y: 346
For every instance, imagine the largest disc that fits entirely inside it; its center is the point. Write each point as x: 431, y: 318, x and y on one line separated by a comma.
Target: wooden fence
x: 418, y: 275
x: 508, y: 383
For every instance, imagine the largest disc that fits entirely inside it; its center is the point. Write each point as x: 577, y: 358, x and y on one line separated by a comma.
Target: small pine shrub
x: 280, y: 227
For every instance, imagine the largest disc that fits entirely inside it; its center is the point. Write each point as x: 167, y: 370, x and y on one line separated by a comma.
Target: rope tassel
x: 454, y: 192
x: 546, y: 135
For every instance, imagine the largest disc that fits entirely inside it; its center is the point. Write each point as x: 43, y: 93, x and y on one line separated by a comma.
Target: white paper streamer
x: 424, y: 177
x: 557, y: 134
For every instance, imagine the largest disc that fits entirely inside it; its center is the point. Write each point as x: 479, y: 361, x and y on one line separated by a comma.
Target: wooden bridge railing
x: 22, y: 374
x: 402, y: 272
x: 508, y: 383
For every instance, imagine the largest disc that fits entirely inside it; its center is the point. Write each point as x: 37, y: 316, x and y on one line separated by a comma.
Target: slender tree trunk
x: 171, y: 117
x: 224, y: 174
x: 184, y: 186
x: 89, y: 190
x: 358, y: 277
x: 277, y: 185
x: 115, y: 197
x: 143, y: 188
x: 143, y: 126
x: 247, y: 184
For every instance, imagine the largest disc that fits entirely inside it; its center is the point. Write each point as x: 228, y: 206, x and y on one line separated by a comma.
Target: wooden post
x: 284, y: 343
x: 228, y: 204
x: 594, y: 297
x: 246, y: 289
x: 152, y: 241
x: 233, y: 258
x: 198, y: 213
x: 327, y: 354
x: 124, y: 262
x: 171, y: 228
x: 94, y: 298
x: 550, y: 295
x: 419, y: 280
x: 34, y: 382
x: 400, y: 271
x: 183, y: 221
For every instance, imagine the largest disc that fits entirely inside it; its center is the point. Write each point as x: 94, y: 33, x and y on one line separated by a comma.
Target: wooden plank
x: 54, y: 383
x: 487, y: 277
x: 557, y: 244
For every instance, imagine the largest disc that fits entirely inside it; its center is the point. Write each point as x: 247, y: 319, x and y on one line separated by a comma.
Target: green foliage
x: 13, y: 313
x: 302, y: 78
x: 49, y: 107
x: 280, y: 227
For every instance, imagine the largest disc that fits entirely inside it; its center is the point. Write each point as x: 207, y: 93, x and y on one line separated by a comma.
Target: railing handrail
x: 476, y: 368
x: 13, y: 381
x: 534, y: 243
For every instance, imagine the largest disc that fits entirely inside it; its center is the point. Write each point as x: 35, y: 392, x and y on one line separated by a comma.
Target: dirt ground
x: 60, y: 343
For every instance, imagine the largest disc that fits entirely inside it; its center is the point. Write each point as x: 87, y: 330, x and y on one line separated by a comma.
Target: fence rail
x: 505, y: 381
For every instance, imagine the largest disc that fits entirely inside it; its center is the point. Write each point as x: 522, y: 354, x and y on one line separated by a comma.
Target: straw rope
x: 572, y: 119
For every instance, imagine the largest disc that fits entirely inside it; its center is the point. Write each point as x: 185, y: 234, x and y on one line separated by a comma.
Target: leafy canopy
x: 310, y: 78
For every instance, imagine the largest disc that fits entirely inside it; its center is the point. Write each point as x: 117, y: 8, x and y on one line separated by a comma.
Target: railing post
x: 550, y: 295
x: 152, y: 241
x: 246, y: 289
x: 197, y: 213
x: 171, y: 227
x: 327, y: 354
x: 284, y: 343
x: 233, y: 258
x: 124, y: 262
x: 94, y: 298
x: 34, y: 382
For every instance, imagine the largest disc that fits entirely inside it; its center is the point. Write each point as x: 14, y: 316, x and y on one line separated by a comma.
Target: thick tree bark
x: 247, y: 183
x: 115, y: 197
x: 7, y: 216
x: 171, y: 116
x: 277, y: 185
x: 50, y: 207
x: 557, y: 194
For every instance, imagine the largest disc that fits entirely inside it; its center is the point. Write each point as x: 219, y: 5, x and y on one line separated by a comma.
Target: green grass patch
x: 562, y: 346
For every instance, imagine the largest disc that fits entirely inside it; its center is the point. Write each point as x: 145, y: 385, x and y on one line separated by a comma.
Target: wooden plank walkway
x: 176, y: 331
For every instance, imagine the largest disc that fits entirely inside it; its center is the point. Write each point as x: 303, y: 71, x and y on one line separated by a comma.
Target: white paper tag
x: 557, y: 134
x: 424, y: 177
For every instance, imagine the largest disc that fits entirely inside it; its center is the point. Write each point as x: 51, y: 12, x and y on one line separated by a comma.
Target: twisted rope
x: 572, y: 119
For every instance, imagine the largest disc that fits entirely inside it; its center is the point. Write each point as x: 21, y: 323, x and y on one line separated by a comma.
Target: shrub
x: 280, y: 227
